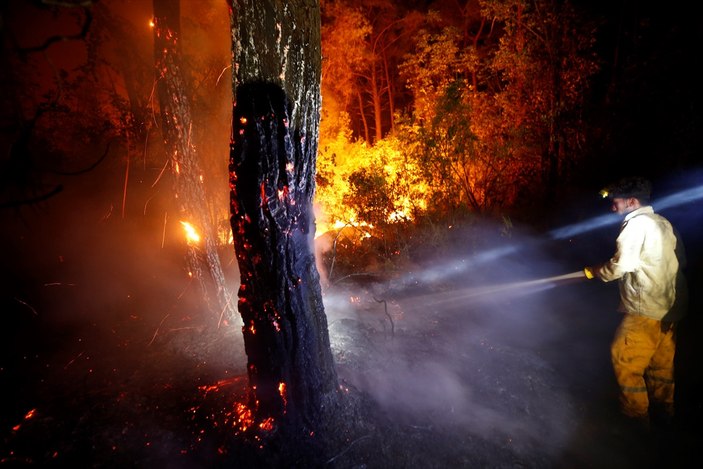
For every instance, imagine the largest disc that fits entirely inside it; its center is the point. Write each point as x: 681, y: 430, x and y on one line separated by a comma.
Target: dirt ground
x: 450, y: 381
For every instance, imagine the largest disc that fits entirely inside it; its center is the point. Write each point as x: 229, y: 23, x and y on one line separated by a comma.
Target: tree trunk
x: 202, y: 257
x: 390, y: 90
x: 360, y: 101
x: 376, y: 95
x: 276, y: 83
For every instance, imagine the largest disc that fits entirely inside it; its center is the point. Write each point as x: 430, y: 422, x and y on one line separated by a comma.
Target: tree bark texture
x: 202, y: 257
x: 276, y: 83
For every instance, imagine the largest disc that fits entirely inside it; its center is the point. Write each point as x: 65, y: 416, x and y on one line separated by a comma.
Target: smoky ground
x: 479, y: 365
x: 457, y: 359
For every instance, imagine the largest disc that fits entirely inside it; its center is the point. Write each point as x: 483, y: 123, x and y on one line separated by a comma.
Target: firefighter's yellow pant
x: 643, y: 359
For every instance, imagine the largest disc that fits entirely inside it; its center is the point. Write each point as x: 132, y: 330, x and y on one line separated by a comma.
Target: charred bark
x: 202, y: 258
x: 277, y: 63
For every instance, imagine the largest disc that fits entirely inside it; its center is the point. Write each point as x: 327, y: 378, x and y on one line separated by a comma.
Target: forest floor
x: 112, y: 367
x: 447, y: 387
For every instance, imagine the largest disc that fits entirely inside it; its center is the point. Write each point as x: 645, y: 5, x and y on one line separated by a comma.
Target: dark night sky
x: 651, y: 57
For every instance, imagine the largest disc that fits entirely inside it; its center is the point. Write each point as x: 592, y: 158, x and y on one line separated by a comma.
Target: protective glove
x: 588, y: 272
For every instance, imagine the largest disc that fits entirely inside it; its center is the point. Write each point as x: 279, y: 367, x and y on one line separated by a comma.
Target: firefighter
x: 646, y: 265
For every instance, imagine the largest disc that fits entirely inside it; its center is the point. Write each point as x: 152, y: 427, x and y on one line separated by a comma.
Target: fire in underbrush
x: 350, y: 176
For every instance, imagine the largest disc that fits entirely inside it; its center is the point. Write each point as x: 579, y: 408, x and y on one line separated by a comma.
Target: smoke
x: 503, y: 340
x: 484, y: 343
x: 76, y: 261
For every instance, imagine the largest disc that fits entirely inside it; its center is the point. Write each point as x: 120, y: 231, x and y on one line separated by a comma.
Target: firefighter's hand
x: 588, y: 272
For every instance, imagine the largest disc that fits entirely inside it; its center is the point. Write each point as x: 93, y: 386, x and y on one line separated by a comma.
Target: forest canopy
x: 431, y: 110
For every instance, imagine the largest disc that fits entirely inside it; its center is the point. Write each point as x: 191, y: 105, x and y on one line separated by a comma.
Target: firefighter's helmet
x: 637, y: 187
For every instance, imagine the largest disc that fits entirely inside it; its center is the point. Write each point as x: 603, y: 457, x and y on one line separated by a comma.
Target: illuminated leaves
x: 369, y: 195
x: 497, y: 95
x: 369, y: 185
x: 432, y: 67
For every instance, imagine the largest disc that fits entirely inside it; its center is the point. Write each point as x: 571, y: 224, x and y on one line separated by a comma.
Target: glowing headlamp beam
x: 680, y: 198
x: 492, y: 255
x: 673, y: 200
x: 584, y: 226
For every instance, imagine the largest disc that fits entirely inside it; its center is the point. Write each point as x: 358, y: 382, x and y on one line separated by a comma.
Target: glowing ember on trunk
x: 282, y: 392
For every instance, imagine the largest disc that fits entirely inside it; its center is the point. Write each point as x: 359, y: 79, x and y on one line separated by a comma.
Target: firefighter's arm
x: 627, y: 254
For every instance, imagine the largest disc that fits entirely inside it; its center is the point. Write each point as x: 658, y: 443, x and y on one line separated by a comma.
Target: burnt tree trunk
x: 177, y: 127
x: 276, y: 84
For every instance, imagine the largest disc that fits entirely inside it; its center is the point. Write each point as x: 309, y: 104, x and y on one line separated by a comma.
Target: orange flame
x: 282, y: 392
x: 339, y: 158
x: 192, y: 235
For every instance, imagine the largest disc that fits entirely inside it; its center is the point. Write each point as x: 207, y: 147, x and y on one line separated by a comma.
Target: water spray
x: 673, y: 200
x: 479, y: 260
x: 463, y: 294
x: 520, y: 285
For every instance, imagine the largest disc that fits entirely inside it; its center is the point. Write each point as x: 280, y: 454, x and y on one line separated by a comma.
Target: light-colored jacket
x: 644, y: 264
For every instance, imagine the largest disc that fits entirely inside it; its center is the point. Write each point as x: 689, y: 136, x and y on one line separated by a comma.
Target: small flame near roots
x: 240, y: 417
x: 192, y: 235
x: 244, y: 417
x: 244, y: 420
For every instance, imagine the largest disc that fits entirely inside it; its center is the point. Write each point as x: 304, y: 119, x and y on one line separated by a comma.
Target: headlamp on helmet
x: 635, y: 187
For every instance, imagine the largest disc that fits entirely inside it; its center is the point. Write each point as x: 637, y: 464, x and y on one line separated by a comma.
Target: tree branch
x: 60, y: 38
